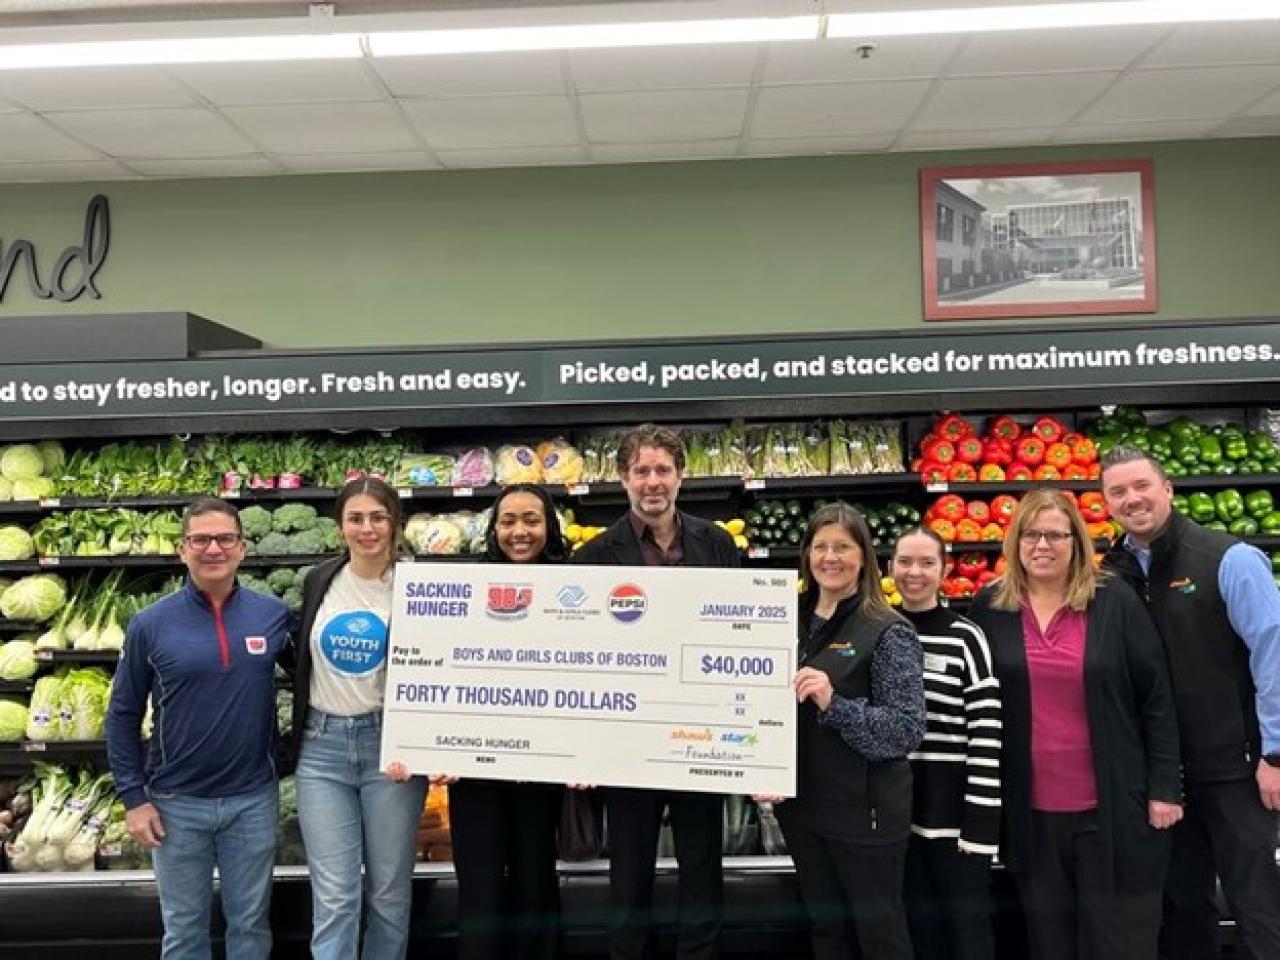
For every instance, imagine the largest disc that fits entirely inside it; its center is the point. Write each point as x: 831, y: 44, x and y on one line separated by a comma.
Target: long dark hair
x: 874, y: 606
x: 555, y: 550
x: 387, y: 498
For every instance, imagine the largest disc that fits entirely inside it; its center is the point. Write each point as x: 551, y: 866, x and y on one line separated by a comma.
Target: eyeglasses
x: 373, y: 519
x: 203, y: 541
x: 839, y: 549
x: 1051, y: 537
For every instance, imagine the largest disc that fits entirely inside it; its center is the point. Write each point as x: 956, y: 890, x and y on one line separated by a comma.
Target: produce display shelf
x: 20, y: 626
x: 1181, y: 484
x: 53, y: 748
x: 77, y: 656
x: 16, y: 686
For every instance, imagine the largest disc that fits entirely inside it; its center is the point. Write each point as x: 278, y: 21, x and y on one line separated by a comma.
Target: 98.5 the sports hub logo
x: 509, y: 601
x: 627, y: 603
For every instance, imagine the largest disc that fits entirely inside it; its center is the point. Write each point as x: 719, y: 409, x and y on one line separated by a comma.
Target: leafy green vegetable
x: 16, y: 544
x: 306, y: 543
x: 18, y: 660
x: 21, y: 461
x: 37, y: 597
x: 293, y: 517
x: 13, y: 720
x: 273, y: 545
x: 256, y: 522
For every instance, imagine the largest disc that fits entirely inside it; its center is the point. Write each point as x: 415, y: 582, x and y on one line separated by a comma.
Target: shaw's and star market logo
x: 627, y: 603
x: 509, y: 601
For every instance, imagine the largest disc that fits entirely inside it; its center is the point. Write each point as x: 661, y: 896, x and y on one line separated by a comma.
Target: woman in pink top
x: 1090, y: 754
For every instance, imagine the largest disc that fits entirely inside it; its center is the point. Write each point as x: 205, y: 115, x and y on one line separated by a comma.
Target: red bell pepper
x: 1084, y: 451
x: 952, y: 426
x: 933, y: 473
x: 1057, y: 455
x: 1029, y: 450
x: 1073, y: 471
x: 1093, y: 506
x: 1017, y: 473
x: 971, y: 563
x: 1049, y: 429
x: 985, y: 577
x: 1004, y: 428
x: 969, y: 450
x: 960, y: 587
x: 949, y: 507
x: 978, y: 510
x: 1095, y: 471
x: 998, y: 451
x: 962, y: 473
x: 1003, y: 508
x: 991, y: 473
x: 939, y: 451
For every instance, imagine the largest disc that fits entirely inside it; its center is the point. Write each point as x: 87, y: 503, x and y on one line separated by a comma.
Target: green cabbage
x: 18, y: 660
x: 33, y: 488
x: 13, y: 721
x: 42, y: 717
x: 21, y: 461
x: 6, y: 489
x: 37, y: 597
x: 82, y: 704
x: 52, y: 456
x: 16, y: 544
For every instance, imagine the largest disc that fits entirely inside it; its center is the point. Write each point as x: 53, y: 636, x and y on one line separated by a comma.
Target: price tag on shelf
x: 753, y: 485
x: 43, y: 655
x: 758, y: 553
x: 33, y: 746
x: 578, y: 489
x: 50, y: 561
x: 946, y: 546
x: 406, y: 493
x: 50, y: 502
x: 464, y: 491
x: 230, y: 494
x: 935, y: 488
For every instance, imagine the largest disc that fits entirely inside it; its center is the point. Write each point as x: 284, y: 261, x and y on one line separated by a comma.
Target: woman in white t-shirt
x: 350, y: 811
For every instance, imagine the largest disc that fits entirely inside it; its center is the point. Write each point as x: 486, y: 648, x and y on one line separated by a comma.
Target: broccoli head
x: 293, y: 599
x: 306, y: 543
x: 273, y: 545
x: 255, y: 583
x: 293, y: 517
x: 280, y: 580
x: 332, y: 533
x: 256, y: 522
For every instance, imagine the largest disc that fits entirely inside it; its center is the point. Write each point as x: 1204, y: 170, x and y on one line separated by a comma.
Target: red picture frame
x: 1038, y: 240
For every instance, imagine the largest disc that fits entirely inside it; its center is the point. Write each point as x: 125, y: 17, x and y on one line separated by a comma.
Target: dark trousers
x: 852, y: 893
x: 634, y: 819
x: 948, y: 901
x: 504, y: 854
x: 1073, y: 911
x: 1229, y: 832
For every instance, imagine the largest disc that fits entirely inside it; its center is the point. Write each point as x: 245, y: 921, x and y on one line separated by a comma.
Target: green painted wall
x: 768, y: 246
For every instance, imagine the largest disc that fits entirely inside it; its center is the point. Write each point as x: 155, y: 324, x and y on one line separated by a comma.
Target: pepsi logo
x: 627, y: 603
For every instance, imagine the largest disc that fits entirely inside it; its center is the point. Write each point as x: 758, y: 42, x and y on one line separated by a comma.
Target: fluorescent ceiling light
x: 592, y: 35
x: 332, y: 46
x: 1048, y: 17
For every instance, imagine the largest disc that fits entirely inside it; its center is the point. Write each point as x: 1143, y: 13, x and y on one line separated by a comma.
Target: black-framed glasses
x: 203, y: 541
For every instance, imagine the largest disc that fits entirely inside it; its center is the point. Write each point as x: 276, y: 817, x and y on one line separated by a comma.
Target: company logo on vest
x: 65, y: 283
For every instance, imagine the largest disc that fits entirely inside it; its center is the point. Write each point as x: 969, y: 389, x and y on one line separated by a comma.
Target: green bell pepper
x: 1201, y: 507
x: 1225, y: 469
x: 1244, y: 527
x: 1186, y: 450
x: 1258, y: 503
x: 1105, y: 444
x: 1210, y: 450
x: 1140, y: 440
x: 1270, y: 524
x: 1251, y: 466
x: 1183, y: 428
x: 1232, y: 431
x: 1175, y: 469
x: 1228, y: 504
x: 1180, y: 504
x: 1235, y: 448
x: 1275, y: 561
x: 1262, y: 447
x: 1216, y: 525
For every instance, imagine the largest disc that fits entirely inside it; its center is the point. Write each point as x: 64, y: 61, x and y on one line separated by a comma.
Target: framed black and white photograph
x: 1038, y: 240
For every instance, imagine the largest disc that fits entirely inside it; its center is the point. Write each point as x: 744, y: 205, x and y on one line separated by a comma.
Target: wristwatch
x: 1271, y: 759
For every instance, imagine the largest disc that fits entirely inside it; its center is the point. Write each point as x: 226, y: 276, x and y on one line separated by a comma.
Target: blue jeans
x: 238, y: 835
x: 349, y: 812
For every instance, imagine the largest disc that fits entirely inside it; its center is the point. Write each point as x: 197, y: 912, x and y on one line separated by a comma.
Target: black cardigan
x: 1132, y: 728
x: 313, y: 590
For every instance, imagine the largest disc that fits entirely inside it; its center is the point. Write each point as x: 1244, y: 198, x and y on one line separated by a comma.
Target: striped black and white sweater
x: 957, y: 768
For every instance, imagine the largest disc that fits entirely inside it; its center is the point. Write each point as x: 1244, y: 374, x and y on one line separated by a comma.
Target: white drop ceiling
x: 641, y: 104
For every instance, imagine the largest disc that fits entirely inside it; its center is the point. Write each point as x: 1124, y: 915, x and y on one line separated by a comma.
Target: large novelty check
x: 671, y: 677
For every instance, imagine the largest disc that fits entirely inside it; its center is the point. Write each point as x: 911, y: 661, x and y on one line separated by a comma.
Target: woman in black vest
x: 861, y: 696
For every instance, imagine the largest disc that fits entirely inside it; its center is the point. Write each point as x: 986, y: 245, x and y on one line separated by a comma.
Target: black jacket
x: 1132, y: 729
x: 704, y: 544
x: 1208, y: 661
x: 313, y: 590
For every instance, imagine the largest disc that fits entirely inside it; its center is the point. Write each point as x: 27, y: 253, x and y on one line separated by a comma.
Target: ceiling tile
x: 1044, y: 51
x: 24, y: 137
x: 83, y: 171
x: 90, y: 88
x: 325, y: 127
x: 672, y: 115
x: 637, y: 152
x: 1266, y: 107
x: 656, y: 68
x: 513, y: 157
x: 153, y: 134
x: 251, y: 165
x: 1201, y: 44
x: 478, y: 123
x: 297, y: 81
x: 1133, y: 132
x: 818, y: 146
x: 1008, y: 101
x: 473, y: 75
x: 1185, y: 94
x: 973, y: 139
x: 1249, y: 127
x: 338, y: 162
x: 838, y: 61
x: 835, y: 109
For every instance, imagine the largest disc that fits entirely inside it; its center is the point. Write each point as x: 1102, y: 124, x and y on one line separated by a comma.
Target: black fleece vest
x: 1208, y: 661
x: 843, y: 794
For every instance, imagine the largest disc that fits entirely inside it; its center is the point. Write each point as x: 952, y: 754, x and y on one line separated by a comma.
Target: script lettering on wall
x: 76, y: 268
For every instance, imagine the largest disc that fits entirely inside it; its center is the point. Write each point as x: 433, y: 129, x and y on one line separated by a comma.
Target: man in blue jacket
x: 204, y: 793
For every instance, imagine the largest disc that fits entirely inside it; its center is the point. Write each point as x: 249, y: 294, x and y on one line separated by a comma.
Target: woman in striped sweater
x: 955, y: 818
